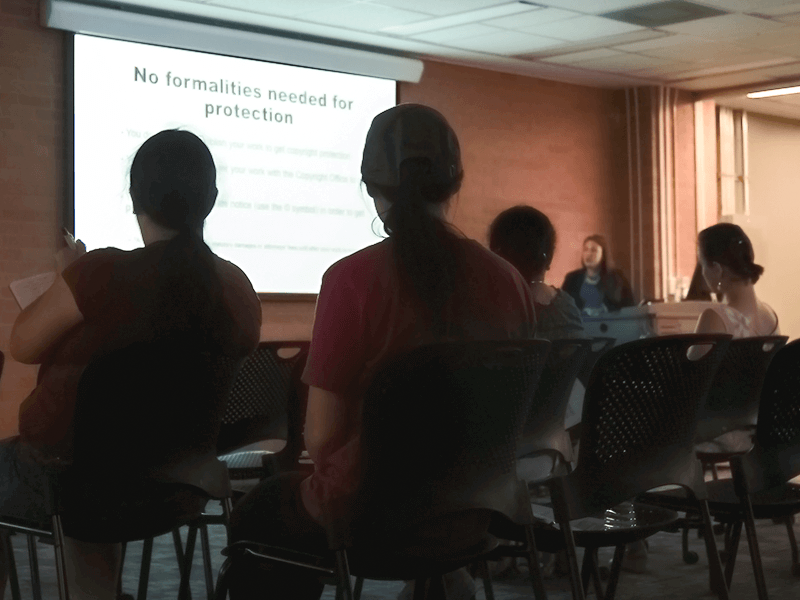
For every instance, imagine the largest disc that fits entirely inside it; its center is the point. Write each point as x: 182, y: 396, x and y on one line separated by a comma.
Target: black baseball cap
x: 410, y: 131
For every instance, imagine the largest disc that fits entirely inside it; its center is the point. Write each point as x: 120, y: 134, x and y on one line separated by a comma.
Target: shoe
x: 635, y: 557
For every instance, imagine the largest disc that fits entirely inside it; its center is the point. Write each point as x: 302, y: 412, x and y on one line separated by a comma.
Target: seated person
x: 424, y: 284
x: 172, y: 288
x: 526, y: 238
x: 596, y: 287
x: 726, y: 260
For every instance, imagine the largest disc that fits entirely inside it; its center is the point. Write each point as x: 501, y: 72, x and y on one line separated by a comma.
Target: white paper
x: 29, y: 289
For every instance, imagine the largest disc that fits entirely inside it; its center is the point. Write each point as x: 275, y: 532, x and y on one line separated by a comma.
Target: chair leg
x: 61, y: 564
x: 358, y: 587
x: 488, y: 586
x: 717, y: 578
x: 11, y: 564
x: 793, y: 546
x: 731, y: 550
x: 343, y: 575
x: 33, y: 560
x: 144, y: 569
x: 537, y: 580
x: 186, y: 566
x: 752, y: 542
x: 586, y: 569
x: 572, y: 559
x: 221, y: 591
x: 616, y: 569
x: 205, y: 546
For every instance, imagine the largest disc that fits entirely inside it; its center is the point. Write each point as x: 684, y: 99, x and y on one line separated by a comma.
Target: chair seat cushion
x: 245, y: 465
x: 622, y: 524
x: 722, y: 500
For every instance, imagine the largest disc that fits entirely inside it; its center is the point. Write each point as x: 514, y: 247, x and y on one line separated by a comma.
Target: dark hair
x: 698, y: 287
x: 728, y: 245
x: 415, y: 147
x: 605, y: 260
x: 526, y: 238
x: 173, y: 182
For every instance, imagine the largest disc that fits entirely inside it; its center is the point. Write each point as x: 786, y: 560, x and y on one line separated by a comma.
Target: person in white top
x: 726, y: 258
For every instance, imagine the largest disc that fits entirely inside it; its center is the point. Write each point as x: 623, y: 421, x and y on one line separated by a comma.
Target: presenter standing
x: 598, y: 288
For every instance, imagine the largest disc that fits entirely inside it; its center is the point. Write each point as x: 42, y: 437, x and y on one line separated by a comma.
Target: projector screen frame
x: 68, y: 212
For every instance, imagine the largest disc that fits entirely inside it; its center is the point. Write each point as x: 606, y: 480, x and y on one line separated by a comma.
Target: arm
x: 37, y: 328
x: 325, y: 420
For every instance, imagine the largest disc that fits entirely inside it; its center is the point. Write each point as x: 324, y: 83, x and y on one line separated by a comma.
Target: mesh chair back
x: 145, y: 429
x: 776, y: 456
x: 733, y: 399
x: 440, y: 427
x: 544, y: 428
x: 265, y: 402
x: 148, y: 406
x: 640, y: 419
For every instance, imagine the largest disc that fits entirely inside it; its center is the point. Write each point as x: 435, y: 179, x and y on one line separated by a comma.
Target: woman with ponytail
x: 173, y: 290
x: 726, y: 259
x: 424, y: 284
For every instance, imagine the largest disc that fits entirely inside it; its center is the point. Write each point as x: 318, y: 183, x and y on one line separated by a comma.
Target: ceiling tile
x: 534, y: 17
x: 670, y: 41
x: 774, y: 39
x: 622, y: 62
x: 595, y: 7
x: 455, y: 33
x: 506, y: 43
x: 783, y: 9
x: 747, y: 6
x: 281, y: 9
x: 581, y: 28
x: 726, y: 27
x: 576, y: 57
x: 439, y: 8
x: 363, y: 17
x: 722, y: 81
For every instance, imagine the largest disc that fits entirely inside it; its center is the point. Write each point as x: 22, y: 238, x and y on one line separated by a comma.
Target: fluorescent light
x: 472, y: 16
x: 779, y: 92
x: 230, y: 41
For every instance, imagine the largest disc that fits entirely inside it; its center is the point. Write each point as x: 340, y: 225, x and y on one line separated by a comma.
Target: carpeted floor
x: 667, y: 576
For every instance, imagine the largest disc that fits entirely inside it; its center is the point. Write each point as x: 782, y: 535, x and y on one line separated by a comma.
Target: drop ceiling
x: 716, y: 48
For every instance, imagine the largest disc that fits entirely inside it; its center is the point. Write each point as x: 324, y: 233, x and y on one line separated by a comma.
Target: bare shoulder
x: 710, y: 322
x: 767, y: 319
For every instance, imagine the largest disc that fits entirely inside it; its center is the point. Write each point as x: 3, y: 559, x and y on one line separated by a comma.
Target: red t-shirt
x: 115, y: 291
x: 364, y: 317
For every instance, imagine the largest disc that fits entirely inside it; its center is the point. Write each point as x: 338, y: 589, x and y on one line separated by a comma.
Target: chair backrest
x: 775, y: 457
x: 153, y: 410
x: 145, y: 434
x: 266, y: 401
x: 639, y: 420
x: 733, y: 399
x: 544, y: 430
x: 440, y: 427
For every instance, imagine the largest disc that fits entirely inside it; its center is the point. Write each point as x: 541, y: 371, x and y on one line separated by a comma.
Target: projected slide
x: 287, y: 142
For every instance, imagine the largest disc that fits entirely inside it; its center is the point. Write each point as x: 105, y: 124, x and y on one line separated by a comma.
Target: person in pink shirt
x: 425, y: 283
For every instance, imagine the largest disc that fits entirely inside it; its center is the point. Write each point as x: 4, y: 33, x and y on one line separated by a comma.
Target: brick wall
x: 31, y: 190
x: 559, y: 147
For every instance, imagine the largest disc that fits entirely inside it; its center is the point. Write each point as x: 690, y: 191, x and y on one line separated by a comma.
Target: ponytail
x: 425, y: 252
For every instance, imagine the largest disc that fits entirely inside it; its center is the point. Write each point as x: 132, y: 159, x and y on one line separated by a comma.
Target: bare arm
x: 326, y: 419
x: 43, y: 322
